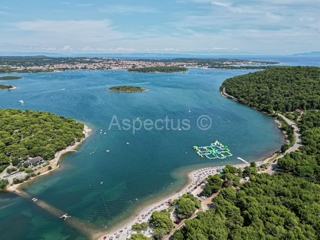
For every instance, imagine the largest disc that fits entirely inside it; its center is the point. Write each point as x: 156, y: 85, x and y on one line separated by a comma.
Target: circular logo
x: 204, y: 122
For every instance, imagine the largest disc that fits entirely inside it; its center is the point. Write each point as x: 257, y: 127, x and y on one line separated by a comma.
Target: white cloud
x: 126, y: 9
x: 67, y: 48
x: 221, y: 4
x: 84, y: 4
x: 50, y: 49
x: 273, y: 17
x: 122, y: 49
x: 94, y: 49
x: 210, y: 25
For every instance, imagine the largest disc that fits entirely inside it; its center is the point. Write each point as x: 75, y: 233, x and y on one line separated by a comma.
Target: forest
x: 285, y: 205
x: 282, y: 89
x: 27, y: 134
x: 162, y: 69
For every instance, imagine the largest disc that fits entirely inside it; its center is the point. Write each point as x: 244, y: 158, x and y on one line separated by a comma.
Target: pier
x: 239, y: 158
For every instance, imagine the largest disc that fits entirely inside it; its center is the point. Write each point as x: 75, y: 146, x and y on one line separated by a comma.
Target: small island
x: 127, y: 89
x: 162, y: 69
x: 10, y: 78
x: 6, y: 87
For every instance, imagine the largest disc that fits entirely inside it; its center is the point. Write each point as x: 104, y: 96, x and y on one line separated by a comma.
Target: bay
x: 141, y: 165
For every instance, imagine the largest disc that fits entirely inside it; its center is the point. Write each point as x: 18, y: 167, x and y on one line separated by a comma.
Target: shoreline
x: 53, y: 163
x: 123, y: 228
x: 194, y: 177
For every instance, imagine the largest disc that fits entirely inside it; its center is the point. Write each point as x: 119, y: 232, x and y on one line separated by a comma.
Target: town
x: 49, y: 64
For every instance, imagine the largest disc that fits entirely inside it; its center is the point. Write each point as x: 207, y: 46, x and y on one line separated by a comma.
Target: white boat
x: 101, y: 183
x: 21, y: 101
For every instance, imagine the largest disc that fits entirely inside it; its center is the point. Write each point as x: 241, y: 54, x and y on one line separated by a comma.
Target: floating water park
x: 214, y: 151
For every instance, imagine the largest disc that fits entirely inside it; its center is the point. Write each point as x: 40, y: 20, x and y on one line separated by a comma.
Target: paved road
x: 227, y: 95
x: 297, y: 134
x: 294, y: 148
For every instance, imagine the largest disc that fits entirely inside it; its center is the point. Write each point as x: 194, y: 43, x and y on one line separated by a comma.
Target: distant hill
x: 313, y: 54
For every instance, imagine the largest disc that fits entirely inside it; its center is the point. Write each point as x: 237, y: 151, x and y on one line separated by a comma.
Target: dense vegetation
x: 285, y: 205
x: 280, y: 206
x: 282, y: 89
x: 25, y: 134
x: 140, y: 226
x: 267, y: 207
x: 161, y: 223
x: 163, y: 69
x: 139, y: 236
x: 186, y: 206
x: 306, y: 162
x: 10, y: 78
x: 5, y: 87
x: 127, y: 89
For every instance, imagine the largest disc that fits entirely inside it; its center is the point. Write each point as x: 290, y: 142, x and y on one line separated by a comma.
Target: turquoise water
x: 142, y: 169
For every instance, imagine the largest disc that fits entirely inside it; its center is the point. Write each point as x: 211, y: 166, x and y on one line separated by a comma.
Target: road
x: 227, y: 95
x: 296, y: 132
x: 294, y: 148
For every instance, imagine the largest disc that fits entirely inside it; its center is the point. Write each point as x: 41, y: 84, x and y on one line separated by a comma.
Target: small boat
x: 101, y: 183
x: 21, y: 101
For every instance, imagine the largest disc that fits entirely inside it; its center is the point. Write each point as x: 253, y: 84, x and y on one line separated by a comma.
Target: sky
x: 160, y: 26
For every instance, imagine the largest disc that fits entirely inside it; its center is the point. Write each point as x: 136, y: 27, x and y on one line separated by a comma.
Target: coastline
x: 194, y: 177
x: 123, y: 228
x: 53, y: 163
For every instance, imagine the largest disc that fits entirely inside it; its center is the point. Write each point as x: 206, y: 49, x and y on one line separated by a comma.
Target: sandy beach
x: 53, y: 163
x: 195, y: 177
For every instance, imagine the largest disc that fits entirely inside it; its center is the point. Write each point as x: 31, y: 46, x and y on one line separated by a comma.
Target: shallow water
x: 142, y: 169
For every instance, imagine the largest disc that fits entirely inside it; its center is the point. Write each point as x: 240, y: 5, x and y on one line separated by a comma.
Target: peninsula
x: 31, y: 143
x: 127, y: 89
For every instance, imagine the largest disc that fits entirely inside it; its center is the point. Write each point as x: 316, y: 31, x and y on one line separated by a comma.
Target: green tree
x: 139, y: 236
x: 140, y: 226
x: 161, y: 222
x: 186, y: 208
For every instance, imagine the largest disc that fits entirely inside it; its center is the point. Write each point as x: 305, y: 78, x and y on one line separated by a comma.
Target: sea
x: 140, y: 147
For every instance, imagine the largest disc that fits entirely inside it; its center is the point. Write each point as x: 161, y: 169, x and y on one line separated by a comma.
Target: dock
x: 239, y: 158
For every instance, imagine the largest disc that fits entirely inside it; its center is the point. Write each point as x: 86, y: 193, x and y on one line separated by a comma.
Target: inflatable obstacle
x: 214, y: 151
